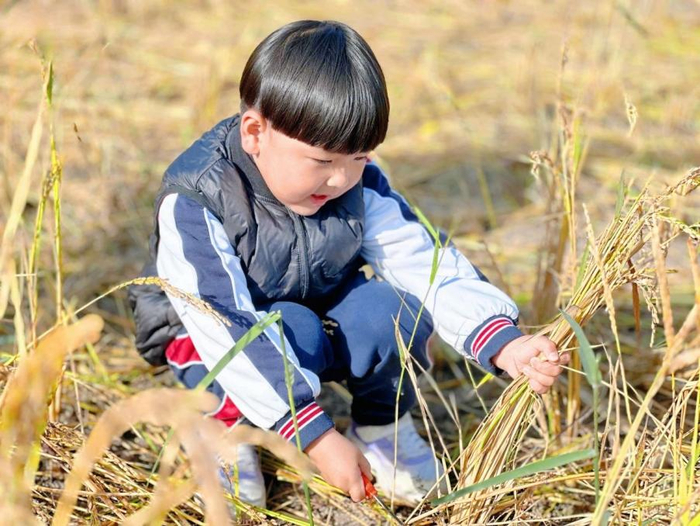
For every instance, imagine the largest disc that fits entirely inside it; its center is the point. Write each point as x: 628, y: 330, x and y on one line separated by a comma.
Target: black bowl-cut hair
x: 320, y: 83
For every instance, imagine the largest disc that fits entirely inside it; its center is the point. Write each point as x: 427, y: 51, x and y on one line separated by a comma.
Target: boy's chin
x: 304, y: 209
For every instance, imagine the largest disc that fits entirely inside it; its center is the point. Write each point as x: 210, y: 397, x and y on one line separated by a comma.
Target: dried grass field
x: 558, y: 142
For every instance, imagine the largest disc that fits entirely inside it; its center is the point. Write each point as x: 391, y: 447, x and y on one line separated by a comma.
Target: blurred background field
x: 474, y: 87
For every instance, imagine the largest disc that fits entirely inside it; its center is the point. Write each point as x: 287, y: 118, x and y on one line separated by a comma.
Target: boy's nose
x: 338, y: 179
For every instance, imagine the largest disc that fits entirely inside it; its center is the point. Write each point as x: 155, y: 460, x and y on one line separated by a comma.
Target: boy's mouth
x: 319, y: 198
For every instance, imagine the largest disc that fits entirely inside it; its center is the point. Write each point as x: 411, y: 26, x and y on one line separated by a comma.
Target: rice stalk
x: 23, y: 406
x: 693, y: 456
x: 203, y: 438
x: 18, y: 320
x: 561, y: 169
x: 592, y: 371
x: 178, y: 408
x: 610, y: 307
x: 404, y: 350
x: 692, y: 245
x: 674, y: 342
x: 54, y: 181
x: 686, y: 468
x: 115, y: 488
x: 662, y: 279
x: 166, y: 494
x: 19, y: 201
x: 200, y: 304
x: 428, y: 420
x: 33, y: 293
x: 165, y: 498
x: 499, y: 436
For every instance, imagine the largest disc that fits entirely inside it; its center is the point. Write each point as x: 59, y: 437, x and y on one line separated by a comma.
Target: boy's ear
x: 252, y: 126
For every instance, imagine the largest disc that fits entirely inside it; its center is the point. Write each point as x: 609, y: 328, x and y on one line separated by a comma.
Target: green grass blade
x: 590, y: 364
x: 436, y: 237
x: 592, y: 370
x: 487, y: 378
x: 424, y: 221
x: 435, y: 263
x: 523, y: 471
x: 49, y: 84
x: 255, y: 331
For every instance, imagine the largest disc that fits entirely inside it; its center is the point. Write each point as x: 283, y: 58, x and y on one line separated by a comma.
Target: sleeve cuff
x: 489, y: 338
x: 312, y: 422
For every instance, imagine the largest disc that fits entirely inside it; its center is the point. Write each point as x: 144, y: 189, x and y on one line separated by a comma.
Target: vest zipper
x: 303, y: 253
x: 300, y: 232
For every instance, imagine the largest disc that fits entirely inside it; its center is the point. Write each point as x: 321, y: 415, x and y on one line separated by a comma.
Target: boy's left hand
x: 522, y: 356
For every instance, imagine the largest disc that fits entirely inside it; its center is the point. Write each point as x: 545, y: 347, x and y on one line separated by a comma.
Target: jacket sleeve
x: 195, y: 255
x: 470, y: 314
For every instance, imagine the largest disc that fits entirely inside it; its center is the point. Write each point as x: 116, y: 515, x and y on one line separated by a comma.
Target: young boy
x: 277, y: 208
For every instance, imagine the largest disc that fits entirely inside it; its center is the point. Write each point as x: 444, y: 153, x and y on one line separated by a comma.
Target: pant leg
x: 188, y: 368
x: 304, y: 331
x: 364, y: 340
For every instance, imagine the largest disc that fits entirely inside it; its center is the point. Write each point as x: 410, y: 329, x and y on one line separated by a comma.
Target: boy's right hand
x: 340, y: 462
x: 522, y: 355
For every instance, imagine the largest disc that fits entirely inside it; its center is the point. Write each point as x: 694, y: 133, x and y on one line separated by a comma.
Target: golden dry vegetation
x: 512, y: 124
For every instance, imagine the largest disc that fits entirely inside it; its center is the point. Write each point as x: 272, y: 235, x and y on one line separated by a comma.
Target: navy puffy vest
x: 284, y: 256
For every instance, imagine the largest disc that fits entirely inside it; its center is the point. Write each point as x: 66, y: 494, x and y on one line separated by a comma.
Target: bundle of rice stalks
x: 618, y: 256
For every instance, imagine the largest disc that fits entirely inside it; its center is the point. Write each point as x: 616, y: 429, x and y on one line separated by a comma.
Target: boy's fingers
x: 553, y: 357
x: 547, y: 368
x: 357, y: 488
x: 565, y: 358
x: 357, y: 493
x: 539, y: 377
x: 549, y: 349
x: 537, y: 387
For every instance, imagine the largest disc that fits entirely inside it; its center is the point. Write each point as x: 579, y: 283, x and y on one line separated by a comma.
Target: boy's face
x: 300, y: 176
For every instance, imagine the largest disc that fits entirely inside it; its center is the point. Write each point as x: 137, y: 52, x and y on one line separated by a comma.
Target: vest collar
x: 245, y: 162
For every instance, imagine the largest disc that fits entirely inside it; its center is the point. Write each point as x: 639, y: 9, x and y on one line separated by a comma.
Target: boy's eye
x: 327, y: 161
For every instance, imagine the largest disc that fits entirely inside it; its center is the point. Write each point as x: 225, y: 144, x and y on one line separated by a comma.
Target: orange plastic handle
x: 370, y: 490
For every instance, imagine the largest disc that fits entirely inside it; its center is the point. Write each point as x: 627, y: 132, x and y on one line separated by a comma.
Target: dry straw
x: 637, y: 476
x: 605, y: 268
x: 23, y: 408
x: 204, y: 439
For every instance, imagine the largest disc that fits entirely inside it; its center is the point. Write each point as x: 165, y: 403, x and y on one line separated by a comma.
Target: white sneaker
x: 416, y: 471
x: 246, y: 482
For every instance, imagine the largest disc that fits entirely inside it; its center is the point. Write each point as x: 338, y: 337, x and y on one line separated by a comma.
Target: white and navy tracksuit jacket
x: 197, y: 252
